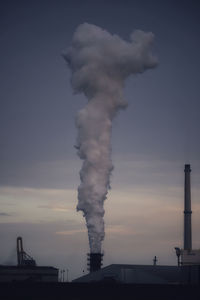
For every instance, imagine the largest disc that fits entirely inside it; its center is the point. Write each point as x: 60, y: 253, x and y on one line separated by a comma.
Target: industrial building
x: 144, y: 274
x: 26, y: 269
x: 30, y: 273
x: 187, y: 270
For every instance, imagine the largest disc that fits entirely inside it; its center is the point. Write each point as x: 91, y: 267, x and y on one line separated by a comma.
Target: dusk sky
x: 152, y: 138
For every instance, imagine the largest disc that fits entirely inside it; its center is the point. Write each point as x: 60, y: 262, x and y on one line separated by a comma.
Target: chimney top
x: 187, y: 168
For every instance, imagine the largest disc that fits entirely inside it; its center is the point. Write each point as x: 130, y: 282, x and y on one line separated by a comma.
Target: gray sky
x: 152, y: 138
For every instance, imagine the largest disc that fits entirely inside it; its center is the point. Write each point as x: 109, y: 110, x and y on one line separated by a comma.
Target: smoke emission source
x: 100, y: 62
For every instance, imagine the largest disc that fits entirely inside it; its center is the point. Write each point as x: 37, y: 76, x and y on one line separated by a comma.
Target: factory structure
x: 187, y: 255
x: 187, y: 270
x: 26, y: 269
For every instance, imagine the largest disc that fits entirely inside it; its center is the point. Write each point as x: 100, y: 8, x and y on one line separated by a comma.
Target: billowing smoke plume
x: 100, y: 63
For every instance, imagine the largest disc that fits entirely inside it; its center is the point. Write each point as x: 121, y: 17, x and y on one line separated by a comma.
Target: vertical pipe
x: 19, y: 251
x: 187, y: 211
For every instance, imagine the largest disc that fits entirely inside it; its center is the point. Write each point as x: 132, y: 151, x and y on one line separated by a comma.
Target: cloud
x: 2, y: 214
x: 70, y: 232
x: 56, y: 208
x: 56, y: 174
x: 35, y: 205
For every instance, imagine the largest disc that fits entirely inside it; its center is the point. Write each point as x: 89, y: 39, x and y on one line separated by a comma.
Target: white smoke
x: 100, y: 63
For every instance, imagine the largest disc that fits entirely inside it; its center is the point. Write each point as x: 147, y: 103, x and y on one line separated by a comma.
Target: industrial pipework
x: 187, y: 211
x: 23, y: 259
x: 95, y: 261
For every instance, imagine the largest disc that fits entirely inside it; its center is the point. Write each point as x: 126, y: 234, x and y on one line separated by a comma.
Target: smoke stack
x: 187, y: 211
x: 95, y: 261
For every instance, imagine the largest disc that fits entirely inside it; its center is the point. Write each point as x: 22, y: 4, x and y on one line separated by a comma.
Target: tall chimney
x: 95, y: 261
x: 187, y: 211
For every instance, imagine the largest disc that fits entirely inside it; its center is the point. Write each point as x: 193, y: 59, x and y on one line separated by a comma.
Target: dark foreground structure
x: 144, y: 274
x: 28, y: 273
x: 103, y: 290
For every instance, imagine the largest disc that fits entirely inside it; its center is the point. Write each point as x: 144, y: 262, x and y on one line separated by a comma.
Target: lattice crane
x: 23, y: 259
